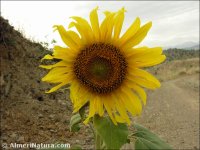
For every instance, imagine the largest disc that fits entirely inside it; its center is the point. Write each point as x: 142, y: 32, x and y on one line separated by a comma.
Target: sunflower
x: 103, y: 68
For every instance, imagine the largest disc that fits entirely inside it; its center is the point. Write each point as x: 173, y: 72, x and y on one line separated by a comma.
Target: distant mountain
x: 195, y: 47
x: 186, y: 45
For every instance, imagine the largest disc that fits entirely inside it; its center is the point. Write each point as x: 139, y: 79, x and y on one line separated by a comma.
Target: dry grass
x: 174, y: 69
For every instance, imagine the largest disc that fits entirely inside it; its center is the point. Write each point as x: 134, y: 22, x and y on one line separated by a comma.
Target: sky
x: 174, y: 22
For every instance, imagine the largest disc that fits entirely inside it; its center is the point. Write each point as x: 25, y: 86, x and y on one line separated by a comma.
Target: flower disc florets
x: 100, y: 67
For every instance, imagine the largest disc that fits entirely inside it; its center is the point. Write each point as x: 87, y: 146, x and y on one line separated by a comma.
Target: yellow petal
x: 108, y: 103
x: 118, y: 23
x: 82, y: 96
x: 66, y: 37
x: 57, y: 74
x: 54, y: 72
x: 110, y: 27
x: 75, y: 37
x: 95, y: 23
x: 120, y: 119
x: 99, y: 106
x: 144, y: 56
x: 146, y: 61
x: 132, y: 51
x: 121, y: 109
x: 84, y: 28
x: 74, y: 87
x: 57, y: 87
x: 145, y: 52
x: 82, y: 22
x: 106, y: 27
x: 83, y: 33
x: 138, y: 90
x: 107, y: 13
x: 59, y: 64
x: 138, y: 37
x: 47, y: 57
x: 132, y: 102
x: 135, y: 72
x: 142, y: 82
x: 131, y: 31
x: 66, y: 54
x: 91, y: 110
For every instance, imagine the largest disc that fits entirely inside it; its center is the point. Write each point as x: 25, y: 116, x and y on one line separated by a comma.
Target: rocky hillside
x: 27, y: 113
x: 20, y: 59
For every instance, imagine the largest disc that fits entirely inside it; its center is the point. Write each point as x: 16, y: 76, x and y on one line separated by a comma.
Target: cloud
x: 174, y: 22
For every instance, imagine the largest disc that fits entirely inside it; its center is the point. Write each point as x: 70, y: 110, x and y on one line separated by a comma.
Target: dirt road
x: 173, y: 112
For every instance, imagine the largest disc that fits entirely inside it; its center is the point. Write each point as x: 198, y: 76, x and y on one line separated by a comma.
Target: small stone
x: 4, y: 138
x: 50, y: 127
x: 77, y: 141
x: 21, y: 139
x: 13, y: 135
x: 40, y: 116
x: 51, y: 116
x: 62, y: 102
x: 29, y: 122
x: 41, y: 127
x: 52, y: 130
x: 127, y: 146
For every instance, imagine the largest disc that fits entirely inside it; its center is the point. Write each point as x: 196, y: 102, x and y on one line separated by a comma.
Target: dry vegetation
x: 176, y: 68
x: 29, y: 115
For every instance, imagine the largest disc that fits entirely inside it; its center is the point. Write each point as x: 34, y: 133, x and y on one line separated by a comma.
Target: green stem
x: 97, y: 142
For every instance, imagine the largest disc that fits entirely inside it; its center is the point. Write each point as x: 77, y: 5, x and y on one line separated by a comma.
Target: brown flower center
x: 100, y: 67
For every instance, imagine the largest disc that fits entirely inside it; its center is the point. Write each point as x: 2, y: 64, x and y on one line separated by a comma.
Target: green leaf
x: 74, y: 122
x: 145, y: 139
x: 114, y: 136
x: 75, y: 128
x: 82, y: 112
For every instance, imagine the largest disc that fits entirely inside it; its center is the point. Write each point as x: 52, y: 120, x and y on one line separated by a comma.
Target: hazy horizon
x: 174, y: 22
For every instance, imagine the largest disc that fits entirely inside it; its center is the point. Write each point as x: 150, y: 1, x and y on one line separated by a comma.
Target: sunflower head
x: 103, y: 67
